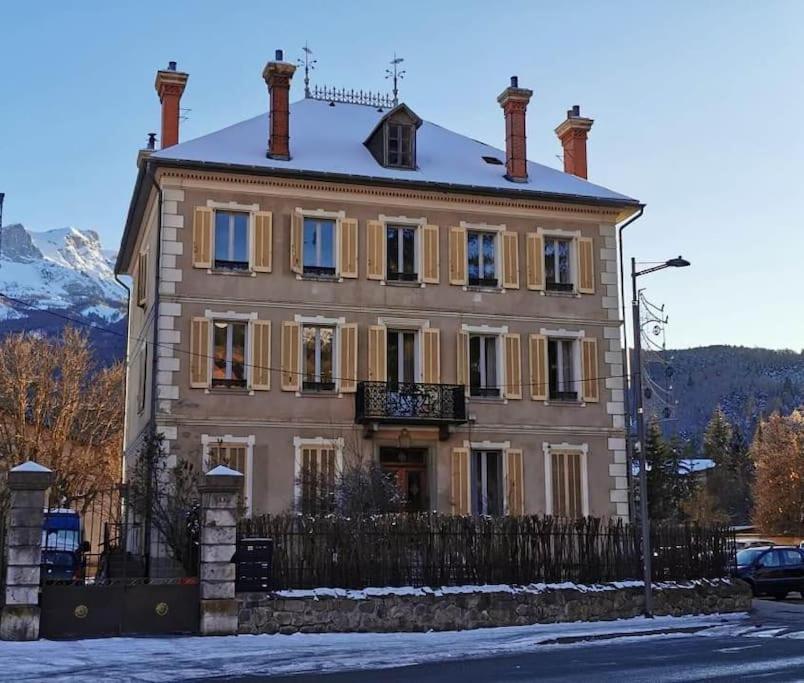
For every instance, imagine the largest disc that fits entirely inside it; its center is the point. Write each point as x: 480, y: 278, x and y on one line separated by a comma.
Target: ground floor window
x: 317, y: 479
x: 567, y: 485
x: 487, y: 482
x: 229, y: 455
x: 408, y: 468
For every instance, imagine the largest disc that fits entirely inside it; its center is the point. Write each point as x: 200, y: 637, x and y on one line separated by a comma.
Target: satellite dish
x: 657, y: 330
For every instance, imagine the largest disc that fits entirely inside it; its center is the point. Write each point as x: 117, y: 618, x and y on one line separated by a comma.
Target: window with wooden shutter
x: 377, y: 347
x: 347, y: 248
x: 262, y: 259
x: 290, y: 355
x: 199, y: 352
x: 586, y: 266
x: 566, y: 484
x: 296, y: 242
x: 430, y: 259
x: 232, y: 456
x: 537, y: 359
x: 510, y: 249
x: 375, y: 250
x: 261, y: 355
x: 142, y: 279
x: 348, y: 350
x: 317, y: 480
x: 591, y: 380
x: 459, y: 481
x: 202, y: 237
x: 534, y: 256
x: 463, y: 359
x: 431, y: 339
x: 513, y: 367
x: 457, y: 255
x: 515, y: 483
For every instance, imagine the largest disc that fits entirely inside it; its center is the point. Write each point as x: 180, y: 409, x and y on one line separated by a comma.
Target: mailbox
x: 253, y: 561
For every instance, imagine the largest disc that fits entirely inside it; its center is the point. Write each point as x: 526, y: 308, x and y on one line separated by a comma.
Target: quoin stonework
x: 331, y: 278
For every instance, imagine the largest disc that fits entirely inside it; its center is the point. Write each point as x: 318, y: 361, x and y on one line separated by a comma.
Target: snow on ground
x: 166, y: 659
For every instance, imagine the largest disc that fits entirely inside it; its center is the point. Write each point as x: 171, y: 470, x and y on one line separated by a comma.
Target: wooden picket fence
x: 444, y: 550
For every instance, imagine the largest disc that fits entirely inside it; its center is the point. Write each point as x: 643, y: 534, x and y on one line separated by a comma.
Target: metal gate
x: 111, y: 568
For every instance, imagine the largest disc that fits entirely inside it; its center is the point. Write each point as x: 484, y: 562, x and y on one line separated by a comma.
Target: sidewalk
x: 187, y: 658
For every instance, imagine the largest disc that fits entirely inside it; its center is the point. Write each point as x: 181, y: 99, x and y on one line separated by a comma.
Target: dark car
x: 774, y: 571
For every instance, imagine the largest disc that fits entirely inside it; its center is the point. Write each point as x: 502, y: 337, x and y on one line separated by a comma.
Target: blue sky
x: 696, y: 107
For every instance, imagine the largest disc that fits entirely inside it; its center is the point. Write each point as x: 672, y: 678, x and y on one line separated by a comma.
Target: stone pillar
x: 20, y: 617
x: 219, y: 498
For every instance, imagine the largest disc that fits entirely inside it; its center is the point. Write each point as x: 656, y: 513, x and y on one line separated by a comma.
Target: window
x: 772, y: 558
x: 228, y: 455
x: 557, y: 273
x: 142, y: 280
x: 143, y: 378
x: 229, y: 360
x: 318, y: 352
x: 399, y: 145
x: 792, y: 558
x: 319, y: 246
x: 483, y: 365
x: 317, y: 479
x: 561, y: 369
x: 487, y: 488
x: 231, y: 240
x: 401, y: 356
x: 482, y: 257
x: 401, y: 253
x: 566, y: 483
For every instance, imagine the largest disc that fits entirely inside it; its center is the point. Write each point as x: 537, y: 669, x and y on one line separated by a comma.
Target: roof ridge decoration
x: 351, y: 96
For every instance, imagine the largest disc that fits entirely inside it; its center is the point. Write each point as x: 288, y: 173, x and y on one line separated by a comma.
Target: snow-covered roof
x: 329, y: 139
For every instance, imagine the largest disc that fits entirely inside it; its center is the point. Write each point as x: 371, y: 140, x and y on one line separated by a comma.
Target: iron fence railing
x: 442, y: 550
x: 3, y: 551
x: 413, y: 403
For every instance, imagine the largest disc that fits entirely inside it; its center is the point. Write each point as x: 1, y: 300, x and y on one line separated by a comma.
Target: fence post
x: 20, y: 616
x: 219, y: 500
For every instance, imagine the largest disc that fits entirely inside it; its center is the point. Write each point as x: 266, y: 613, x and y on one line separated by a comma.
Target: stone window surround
x: 208, y: 440
x: 486, y: 445
x: 232, y: 316
x: 336, y: 216
x: 418, y: 223
x: 573, y: 236
x: 489, y: 330
x: 583, y: 451
x: 336, y: 358
x: 498, y: 229
x: 300, y: 443
x: 577, y: 335
x: 250, y: 209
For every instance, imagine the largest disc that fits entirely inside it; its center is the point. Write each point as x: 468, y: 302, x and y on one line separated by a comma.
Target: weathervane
x: 309, y: 64
x: 396, y: 74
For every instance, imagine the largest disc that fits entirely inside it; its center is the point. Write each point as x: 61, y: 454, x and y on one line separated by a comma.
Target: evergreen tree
x: 668, y: 486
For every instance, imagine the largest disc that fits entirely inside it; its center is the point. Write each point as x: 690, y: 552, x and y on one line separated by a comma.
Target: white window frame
x: 321, y: 321
x: 418, y: 252
x: 483, y: 364
x: 299, y: 444
x: 487, y: 331
x: 232, y: 316
x: 580, y: 449
x: 575, y: 337
x: 416, y: 325
x: 251, y: 210
x: 323, y: 214
x: 497, y: 230
x: 572, y: 236
x: 208, y: 440
x: 142, y: 376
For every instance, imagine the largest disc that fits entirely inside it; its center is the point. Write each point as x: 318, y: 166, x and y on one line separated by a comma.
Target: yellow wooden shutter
x: 432, y: 356
x: 510, y: 242
x: 375, y: 250
x: 261, y: 355
x: 199, y: 352
x: 463, y: 360
x: 348, y: 356
x: 457, y: 255
x: 296, y: 242
x: 202, y: 237
x: 586, y: 265
x: 459, y: 481
x: 377, y: 370
x: 534, y: 248
x: 537, y: 359
x: 263, y: 241
x: 513, y: 367
x: 591, y: 381
x: 430, y: 260
x: 515, y: 484
x: 290, y: 352
x: 348, y: 247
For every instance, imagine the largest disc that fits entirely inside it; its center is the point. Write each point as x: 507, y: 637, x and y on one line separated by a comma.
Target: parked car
x: 62, y: 548
x: 772, y: 570
x: 753, y: 543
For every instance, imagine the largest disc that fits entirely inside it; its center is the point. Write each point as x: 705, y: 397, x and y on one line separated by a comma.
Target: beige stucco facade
x: 273, y: 424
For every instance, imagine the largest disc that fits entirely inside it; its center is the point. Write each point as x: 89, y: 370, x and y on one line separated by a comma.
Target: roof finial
x: 309, y: 64
x: 396, y: 74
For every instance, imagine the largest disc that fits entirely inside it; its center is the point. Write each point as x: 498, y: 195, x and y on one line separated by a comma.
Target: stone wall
x: 468, y: 607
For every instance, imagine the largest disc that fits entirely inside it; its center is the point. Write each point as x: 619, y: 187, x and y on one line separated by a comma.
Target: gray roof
x: 327, y: 139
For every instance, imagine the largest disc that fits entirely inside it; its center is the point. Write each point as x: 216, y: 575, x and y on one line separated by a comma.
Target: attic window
x: 399, y: 145
x: 493, y: 160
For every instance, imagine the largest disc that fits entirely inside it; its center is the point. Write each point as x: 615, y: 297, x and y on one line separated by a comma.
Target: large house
x: 334, y: 279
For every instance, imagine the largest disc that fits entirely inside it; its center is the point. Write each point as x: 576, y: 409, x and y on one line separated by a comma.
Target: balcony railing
x: 398, y: 403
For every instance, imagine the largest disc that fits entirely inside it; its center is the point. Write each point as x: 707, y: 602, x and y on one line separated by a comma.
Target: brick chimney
x: 573, y: 133
x: 277, y: 75
x: 514, y: 101
x: 170, y: 85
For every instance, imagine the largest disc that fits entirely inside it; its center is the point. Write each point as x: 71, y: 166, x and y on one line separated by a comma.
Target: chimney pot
x: 514, y: 101
x: 573, y: 133
x: 576, y: 110
x: 170, y: 85
x: 171, y: 66
x: 151, y: 141
x: 279, y: 56
x: 514, y: 81
x: 277, y: 76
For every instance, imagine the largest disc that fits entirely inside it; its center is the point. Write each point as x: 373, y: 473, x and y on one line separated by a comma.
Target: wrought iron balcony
x: 398, y: 403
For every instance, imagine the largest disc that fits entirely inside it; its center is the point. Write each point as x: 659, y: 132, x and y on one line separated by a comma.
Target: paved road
x: 769, y: 645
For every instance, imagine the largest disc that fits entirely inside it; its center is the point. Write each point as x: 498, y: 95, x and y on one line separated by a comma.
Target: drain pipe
x: 626, y: 375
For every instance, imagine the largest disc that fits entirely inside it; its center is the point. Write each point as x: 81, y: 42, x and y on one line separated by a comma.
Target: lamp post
x: 636, y: 384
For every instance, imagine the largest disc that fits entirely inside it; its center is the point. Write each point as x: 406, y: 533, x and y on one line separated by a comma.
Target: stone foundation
x: 468, y: 607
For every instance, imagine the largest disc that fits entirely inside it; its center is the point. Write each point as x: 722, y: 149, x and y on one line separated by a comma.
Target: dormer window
x: 393, y: 141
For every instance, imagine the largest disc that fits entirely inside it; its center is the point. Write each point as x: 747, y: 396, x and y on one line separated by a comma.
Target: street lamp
x: 636, y: 384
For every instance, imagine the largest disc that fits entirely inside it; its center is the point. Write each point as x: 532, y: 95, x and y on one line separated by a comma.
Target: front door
x: 408, y: 467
